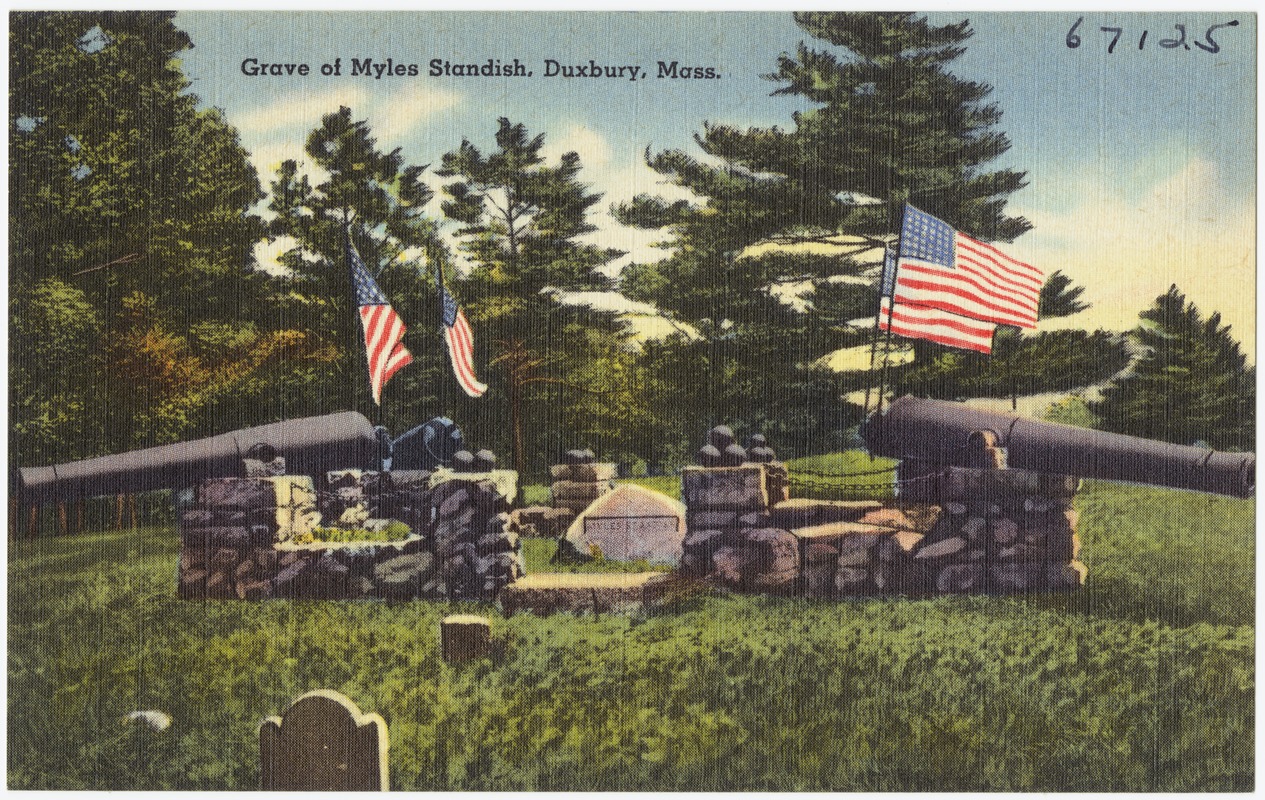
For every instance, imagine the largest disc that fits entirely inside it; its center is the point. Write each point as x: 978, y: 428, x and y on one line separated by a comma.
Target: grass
x: 1142, y: 681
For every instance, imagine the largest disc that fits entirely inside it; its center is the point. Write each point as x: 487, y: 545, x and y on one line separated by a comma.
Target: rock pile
x: 989, y: 529
x: 475, y: 539
x: 1001, y: 530
x: 580, y: 480
x: 731, y: 535
x: 239, y: 538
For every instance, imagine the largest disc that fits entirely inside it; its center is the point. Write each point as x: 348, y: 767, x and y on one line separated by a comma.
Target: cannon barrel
x: 951, y: 433
x: 310, y: 446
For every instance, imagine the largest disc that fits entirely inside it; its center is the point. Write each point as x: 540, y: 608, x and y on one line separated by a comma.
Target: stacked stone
x: 579, y: 480
x: 1001, y: 530
x: 410, y: 501
x: 401, y: 570
x: 351, y: 498
x: 863, y: 549
x: 475, y: 539
x: 730, y: 534
x: 228, y: 534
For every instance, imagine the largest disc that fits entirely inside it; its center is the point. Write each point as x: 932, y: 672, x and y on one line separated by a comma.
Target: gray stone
x: 941, y: 549
x: 855, y: 550
x: 851, y: 579
x: 712, y: 519
x: 724, y: 488
x: 1005, y: 531
x: 756, y: 519
x: 629, y: 523
x: 727, y: 565
x: 772, y: 557
x: 974, y: 528
x: 960, y: 578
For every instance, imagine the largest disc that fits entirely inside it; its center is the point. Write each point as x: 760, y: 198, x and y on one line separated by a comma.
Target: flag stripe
x: 919, y: 315
x: 917, y: 322
x: 1020, y: 303
x: 383, y: 328
x: 1016, y: 266
x: 460, y: 341
x: 989, y: 271
x: 949, y: 297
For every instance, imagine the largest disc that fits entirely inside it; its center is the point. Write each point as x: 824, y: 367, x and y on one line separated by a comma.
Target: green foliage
x: 866, y: 478
x: 1191, y: 383
x: 1059, y: 298
x: 121, y: 191
x: 553, y: 367
x: 1049, y: 361
x: 1071, y: 410
x: 374, y: 200
x: 1142, y: 681
x: 883, y: 119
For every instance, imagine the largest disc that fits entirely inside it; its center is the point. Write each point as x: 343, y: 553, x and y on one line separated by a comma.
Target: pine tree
x: 520, y: 220
x: 1191, y: 383
x: 889, y: 124
x: 376, y: 201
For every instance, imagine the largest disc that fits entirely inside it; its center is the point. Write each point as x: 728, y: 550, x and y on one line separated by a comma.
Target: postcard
x: 826, y: 401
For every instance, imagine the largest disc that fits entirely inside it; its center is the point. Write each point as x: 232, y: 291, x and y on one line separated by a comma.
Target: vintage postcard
x: 647, y: 401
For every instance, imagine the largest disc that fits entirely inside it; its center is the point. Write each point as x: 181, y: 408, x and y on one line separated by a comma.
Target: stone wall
x: 249, y: 538
x: 952, y: 530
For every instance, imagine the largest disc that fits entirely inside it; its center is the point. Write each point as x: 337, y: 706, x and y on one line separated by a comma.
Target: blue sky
x: 1141, y: 162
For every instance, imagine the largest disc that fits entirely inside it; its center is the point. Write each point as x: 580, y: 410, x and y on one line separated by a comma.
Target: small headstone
x: 465, y: 637
x: 323, y: 742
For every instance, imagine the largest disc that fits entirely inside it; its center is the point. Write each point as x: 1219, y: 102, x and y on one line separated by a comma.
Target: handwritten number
x: 1171, y: 43
x: 1215, y: 48
x: 1074, y: 41
x: 1111, y: 48
x: 1142, y: 41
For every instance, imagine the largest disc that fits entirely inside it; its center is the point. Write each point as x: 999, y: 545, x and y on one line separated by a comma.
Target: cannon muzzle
x: 952, y: 434
x: 310, y: 446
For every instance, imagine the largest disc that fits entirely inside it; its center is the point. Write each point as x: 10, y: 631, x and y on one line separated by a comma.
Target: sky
x: 1141, y: 162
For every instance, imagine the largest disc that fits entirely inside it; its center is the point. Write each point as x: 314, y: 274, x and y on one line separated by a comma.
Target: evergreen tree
x: 1190, y: 384
x: 374, y: 200
x: 521, y: 221
x: 889, y: 124
x: 119, y: 187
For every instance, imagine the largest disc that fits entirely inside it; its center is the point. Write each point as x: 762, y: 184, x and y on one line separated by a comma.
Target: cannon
x: 952, y: 434
x: 310, y: 446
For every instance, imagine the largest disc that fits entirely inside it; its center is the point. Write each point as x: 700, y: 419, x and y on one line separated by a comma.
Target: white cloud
x: 1127, y: 250
x: 279, y: 130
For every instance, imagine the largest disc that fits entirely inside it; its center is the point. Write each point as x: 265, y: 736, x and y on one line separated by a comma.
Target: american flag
x: 955, y: 290
x: 383, y: 327
x: 460, y: 341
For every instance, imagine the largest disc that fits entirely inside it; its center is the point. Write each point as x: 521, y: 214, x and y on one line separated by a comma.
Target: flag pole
x: 891, y: 307
x: 878, y: 318
x: 439, y: 286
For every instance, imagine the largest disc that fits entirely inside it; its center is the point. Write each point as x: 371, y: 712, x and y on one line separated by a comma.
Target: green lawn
x: 1143, y: 681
